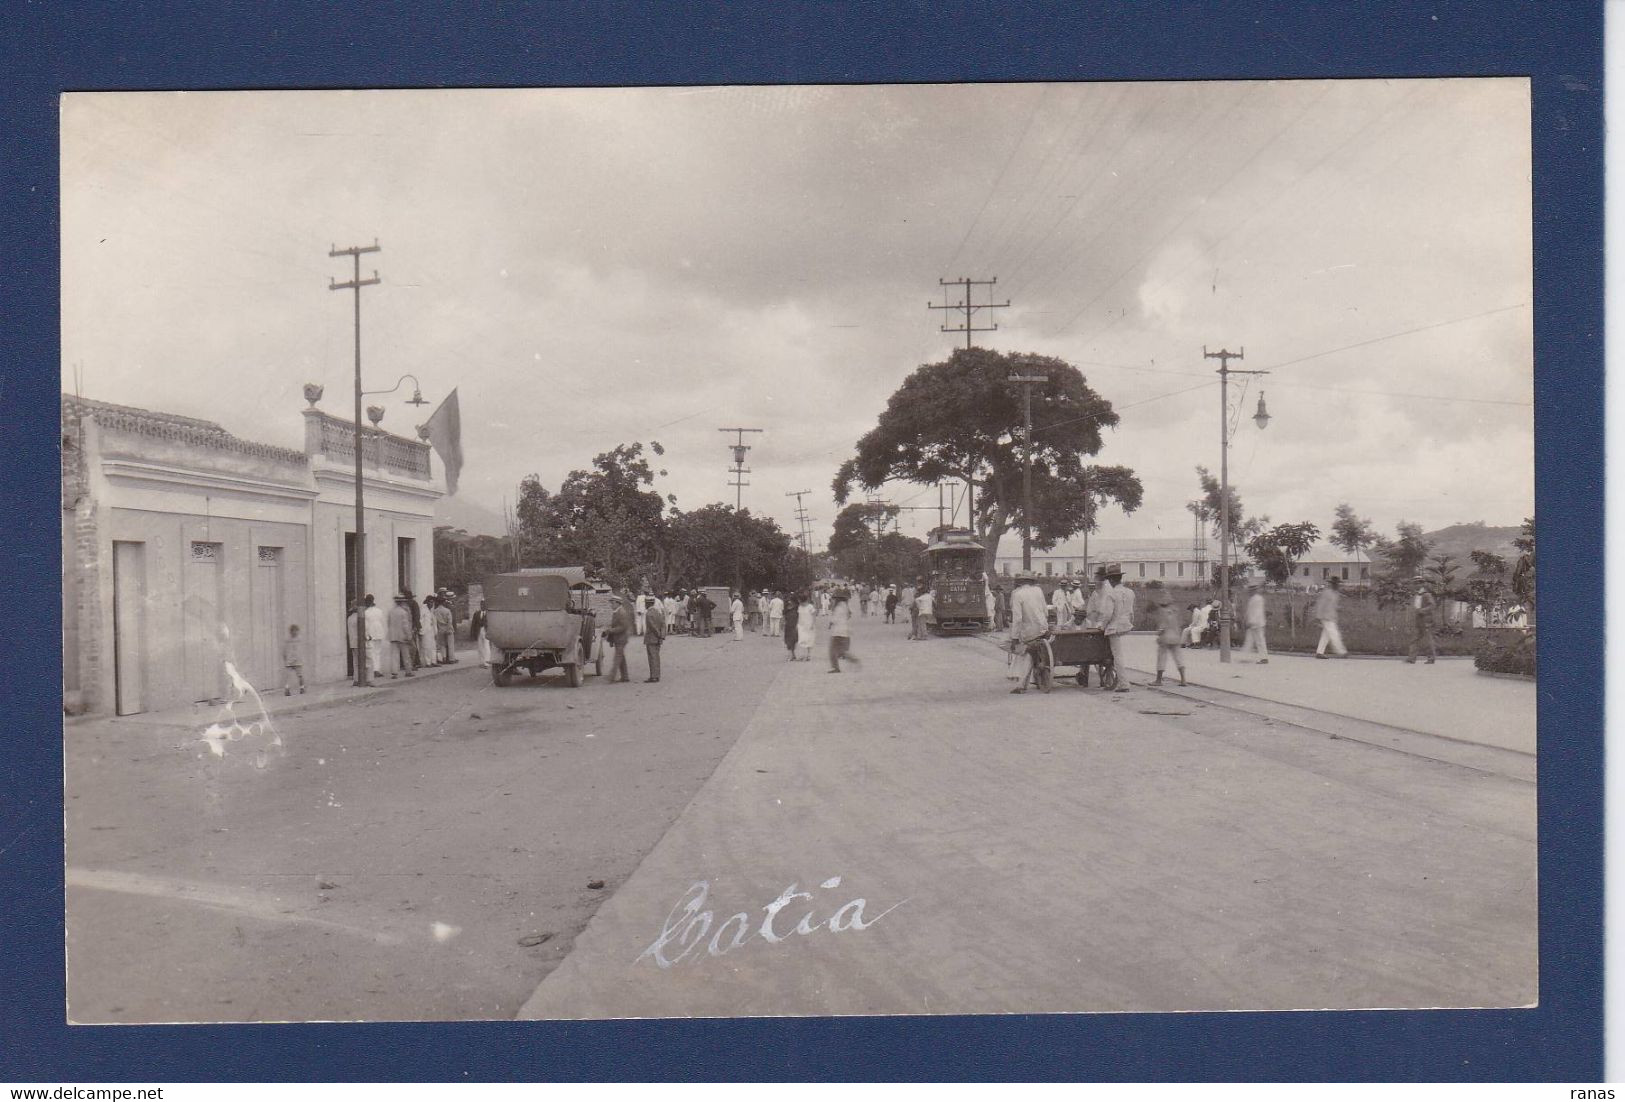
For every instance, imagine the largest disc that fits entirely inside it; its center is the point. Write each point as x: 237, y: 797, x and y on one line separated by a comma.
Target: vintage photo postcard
x: 893, y: 549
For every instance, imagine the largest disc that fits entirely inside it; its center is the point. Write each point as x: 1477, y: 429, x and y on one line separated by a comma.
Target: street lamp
x: 1261, y: 418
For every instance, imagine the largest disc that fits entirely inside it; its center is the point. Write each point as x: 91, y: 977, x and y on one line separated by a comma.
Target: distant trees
x: 962, y: 418
x: 1403, y: 559
x: 461, y: 559
x: 611, y: 520
x: 714, y: 544
x: 1350, y: 532
x: 862, y: 554
x: 1275, y: 550
x: 607, y: 518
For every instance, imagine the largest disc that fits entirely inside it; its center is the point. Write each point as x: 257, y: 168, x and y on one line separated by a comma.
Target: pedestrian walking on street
x: 775, y: 615
x: 1119, y: 606
x: 736, y: 612
x: 444, y: 630
x: 1170, y: 632
x: 840, y: 631
x: 1001, y: 607
x: 293, y: 661
x: 400, y: 635
x: 654, y: 634
x: 891, y: 605
x: 806, y: 627
x: 620, y: 629
x: 640, y: 613
x: 376, y: 627
x: 1253, y: 642
x: 1029, y: 620
x: 706, y: 606
x: 1326, y: 613
x: 992, y: 600
x: 1422, y: 606
x: 792, y: 624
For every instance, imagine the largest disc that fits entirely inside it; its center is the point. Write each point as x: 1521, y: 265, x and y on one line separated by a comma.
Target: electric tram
x: 953, y: 565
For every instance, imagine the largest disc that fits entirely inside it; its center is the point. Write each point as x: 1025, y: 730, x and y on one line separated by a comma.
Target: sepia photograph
x: 467, y: 495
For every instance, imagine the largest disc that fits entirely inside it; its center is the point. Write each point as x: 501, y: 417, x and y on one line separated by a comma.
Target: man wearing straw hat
x: 1119, y: 609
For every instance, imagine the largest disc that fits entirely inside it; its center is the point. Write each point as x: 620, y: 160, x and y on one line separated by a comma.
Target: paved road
x: 1036, y: 853
x: 1069, y: 852
x: 388, y: 857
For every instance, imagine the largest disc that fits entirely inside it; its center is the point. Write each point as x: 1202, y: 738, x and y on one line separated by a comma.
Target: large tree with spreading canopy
x: 962, y: 419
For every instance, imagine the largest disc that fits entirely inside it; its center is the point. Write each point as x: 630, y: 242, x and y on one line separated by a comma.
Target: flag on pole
x: 446, y: 437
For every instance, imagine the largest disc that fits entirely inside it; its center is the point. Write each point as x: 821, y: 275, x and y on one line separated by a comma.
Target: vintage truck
x: 537, y: 619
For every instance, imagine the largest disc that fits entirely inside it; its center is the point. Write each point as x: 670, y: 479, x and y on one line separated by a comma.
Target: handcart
x: 1080, y: 648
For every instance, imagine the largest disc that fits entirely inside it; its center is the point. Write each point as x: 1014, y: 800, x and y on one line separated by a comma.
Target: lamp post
x: 1262, y: 418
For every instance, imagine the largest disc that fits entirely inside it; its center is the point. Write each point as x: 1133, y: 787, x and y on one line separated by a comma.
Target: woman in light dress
x: 805, y: 618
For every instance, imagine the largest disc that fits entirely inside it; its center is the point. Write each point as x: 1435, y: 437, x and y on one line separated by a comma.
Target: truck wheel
x: 572, y: 674
x: 499, y: 674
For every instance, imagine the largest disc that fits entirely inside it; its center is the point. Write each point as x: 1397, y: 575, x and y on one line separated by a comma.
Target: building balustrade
x: 334, y: 438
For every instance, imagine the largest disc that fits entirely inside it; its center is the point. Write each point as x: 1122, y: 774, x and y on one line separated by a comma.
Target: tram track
x: 1463, y: 753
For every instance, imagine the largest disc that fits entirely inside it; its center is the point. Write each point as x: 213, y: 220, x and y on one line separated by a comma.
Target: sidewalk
x: 1449, y: 698
x: 323, y: 695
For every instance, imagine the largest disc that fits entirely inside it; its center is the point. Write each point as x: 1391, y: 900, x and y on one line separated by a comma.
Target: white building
x: 186, y: 548
x: 1172, y: 561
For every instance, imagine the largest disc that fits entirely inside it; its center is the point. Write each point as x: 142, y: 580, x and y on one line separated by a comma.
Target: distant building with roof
x: 186, y: 547
x: 1172, y: 561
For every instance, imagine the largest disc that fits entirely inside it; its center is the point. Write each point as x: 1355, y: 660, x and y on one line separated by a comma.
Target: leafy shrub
x: 1512, y: 655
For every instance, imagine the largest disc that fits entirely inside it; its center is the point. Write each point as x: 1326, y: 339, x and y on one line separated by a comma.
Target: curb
x: 343, y: 692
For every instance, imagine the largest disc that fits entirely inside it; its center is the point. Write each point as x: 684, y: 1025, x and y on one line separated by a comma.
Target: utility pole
x: 968, y: 307
x: 941, y: 523
x: 1224, y: 356
x: 739, y: 470
x: 363, y: 666
x: 740, y: 449
x: 1027, y: 382
x: 801, y: 522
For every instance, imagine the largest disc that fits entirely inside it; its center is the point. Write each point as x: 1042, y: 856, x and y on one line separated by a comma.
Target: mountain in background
x: 1461, y: 540
x: 474, y: 519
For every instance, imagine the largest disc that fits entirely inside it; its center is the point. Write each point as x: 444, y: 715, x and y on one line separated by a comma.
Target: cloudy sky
x: 591, y: 267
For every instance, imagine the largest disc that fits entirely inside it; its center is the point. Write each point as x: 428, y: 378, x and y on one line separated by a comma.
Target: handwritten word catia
x: 687, y: 925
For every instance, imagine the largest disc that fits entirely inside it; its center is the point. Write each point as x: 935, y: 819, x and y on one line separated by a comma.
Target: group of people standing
x: 413, y: 636
x: 1108, y: 605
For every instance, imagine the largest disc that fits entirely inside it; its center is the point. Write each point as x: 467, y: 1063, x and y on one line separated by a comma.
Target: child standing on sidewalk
x: 293, y: 661
x: 1170, y: 632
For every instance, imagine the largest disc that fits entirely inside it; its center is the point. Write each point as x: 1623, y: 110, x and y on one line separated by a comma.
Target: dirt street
x: 426, y: 854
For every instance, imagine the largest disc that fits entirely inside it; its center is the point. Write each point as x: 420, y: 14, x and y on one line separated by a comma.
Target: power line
x: 1406, y: 333
x: 1008, y: 161
x: 1177, y: 226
